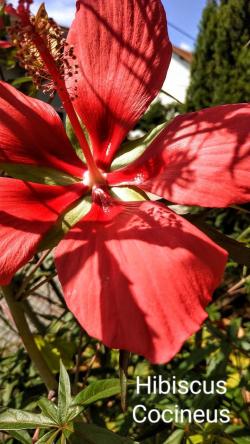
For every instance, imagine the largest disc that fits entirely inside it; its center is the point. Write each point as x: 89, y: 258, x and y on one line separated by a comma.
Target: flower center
x: 92, y: 182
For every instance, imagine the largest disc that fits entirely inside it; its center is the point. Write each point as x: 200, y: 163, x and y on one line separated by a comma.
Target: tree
x: 201, y: 88
x: 232, y: 53
x: 221, y: 68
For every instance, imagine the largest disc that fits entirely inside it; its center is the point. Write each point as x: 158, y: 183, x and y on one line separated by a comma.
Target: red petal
x: 31, y: 132
x: 123, y: 54
x: 139, y: 282
x: 4, y: 44
x: 201, y: 158
x: 27, y: 212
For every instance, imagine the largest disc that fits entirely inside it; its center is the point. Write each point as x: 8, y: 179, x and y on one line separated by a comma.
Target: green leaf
x: 91, y: 434
x: 222, y: 440
x: 48, y: 408
x: 234, y: 328
x: 21, y: 80
x: 65, y: 222
x: 175, y: 438
x: 133, y: 149
x: 237, y: 250
x: 48, y: 438
x: 74, y: 411
x: 98, y: 390
x: 63, y: 440
x: 43, y: 175
x: 19, y: 420
x: 64, y: 394
x: 195, y: 439
x: 21, y: 435
x: 242, y: 440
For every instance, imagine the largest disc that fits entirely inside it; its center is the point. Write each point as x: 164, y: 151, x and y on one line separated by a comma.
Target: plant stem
x: 123, y: 370
x: 172, y: 97
x: 28, y: 339
x: 30, y: 275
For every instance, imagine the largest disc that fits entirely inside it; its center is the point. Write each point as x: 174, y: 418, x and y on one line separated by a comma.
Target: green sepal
x: 131, y: 150
x: 64, y: 223
x: 128, y: 194
x: 73, y: 139
x: 43, y: 175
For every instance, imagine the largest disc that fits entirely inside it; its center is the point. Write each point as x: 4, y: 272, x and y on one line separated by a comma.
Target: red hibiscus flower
x: 135, y: 274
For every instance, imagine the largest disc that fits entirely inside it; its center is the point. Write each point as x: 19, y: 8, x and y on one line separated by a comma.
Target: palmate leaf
x: 19, y: 420
x: 91, y: 434
x: 98, y: 390
x: 21, y: 436
x: 48, y: 438
x: 94, y: 392
x: 48, y: 408
x: 64, y: 395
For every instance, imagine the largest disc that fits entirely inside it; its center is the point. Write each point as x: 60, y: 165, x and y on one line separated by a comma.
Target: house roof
x: 183, y: 54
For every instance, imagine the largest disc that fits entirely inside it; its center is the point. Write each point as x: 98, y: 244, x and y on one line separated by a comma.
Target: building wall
x: 177, y: 80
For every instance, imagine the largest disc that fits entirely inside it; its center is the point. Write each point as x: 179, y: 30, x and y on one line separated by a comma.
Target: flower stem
x: 27, y: 338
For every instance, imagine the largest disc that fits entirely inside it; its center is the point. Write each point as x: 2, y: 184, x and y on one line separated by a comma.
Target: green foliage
x: 98, y: 390
x: 59, y: 418
x: 201, y: 87
x: 221, y: 66
x: 232, y: 53
x: 158, y: 114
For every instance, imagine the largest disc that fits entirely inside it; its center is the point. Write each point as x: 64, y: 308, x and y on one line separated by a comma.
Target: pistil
x: 41, y: 34
x: 67, y: 105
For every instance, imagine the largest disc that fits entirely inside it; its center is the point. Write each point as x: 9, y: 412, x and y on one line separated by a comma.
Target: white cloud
x: 186, y: 46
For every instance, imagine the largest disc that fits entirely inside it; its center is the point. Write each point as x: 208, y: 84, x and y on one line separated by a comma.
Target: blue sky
x: 184, y: 14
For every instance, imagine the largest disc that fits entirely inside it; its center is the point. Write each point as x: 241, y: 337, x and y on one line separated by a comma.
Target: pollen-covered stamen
x: 24, y: 35
x: 45, y: 44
